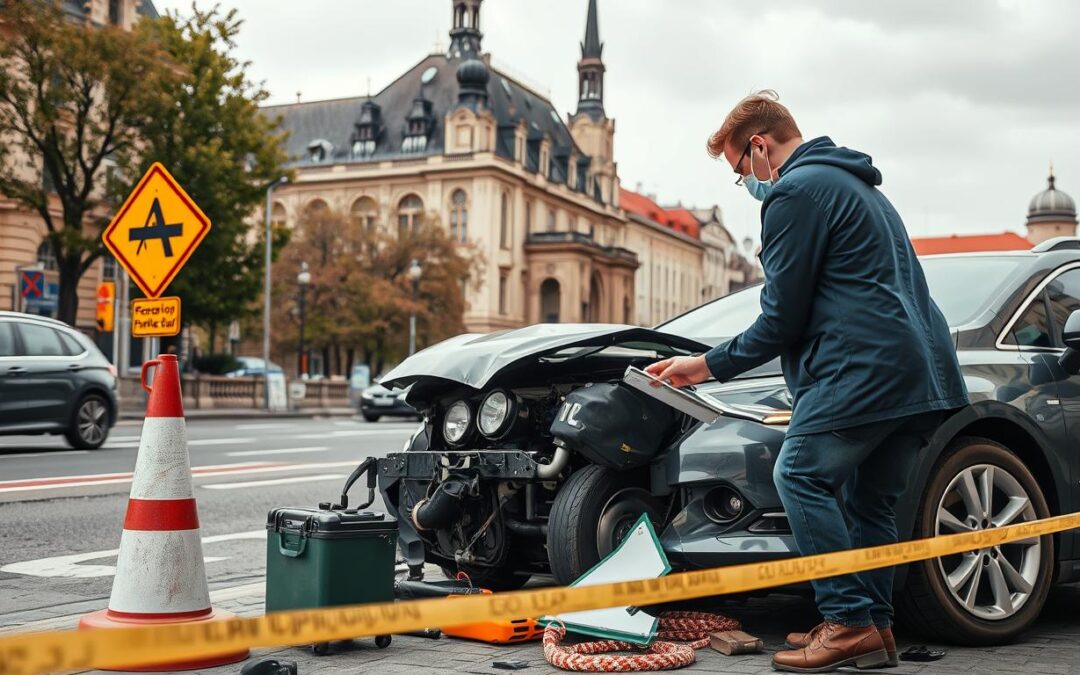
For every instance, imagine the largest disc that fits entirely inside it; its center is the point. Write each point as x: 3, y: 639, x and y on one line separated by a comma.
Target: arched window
x: 315, y: 208
x: 504, y: 221
x: 459, y: 216
x: 550, y: 301
x: 410, y: 214
x: 46, y: 257
x: 365, y: 213
x: 277, y: 214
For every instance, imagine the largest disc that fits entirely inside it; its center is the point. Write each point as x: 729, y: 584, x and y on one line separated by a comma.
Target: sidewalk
x: 249, y: 413
x: 1051, y: 647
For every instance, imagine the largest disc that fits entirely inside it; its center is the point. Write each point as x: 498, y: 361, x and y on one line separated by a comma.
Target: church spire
x: 465, y: 34
x: 591, y: 68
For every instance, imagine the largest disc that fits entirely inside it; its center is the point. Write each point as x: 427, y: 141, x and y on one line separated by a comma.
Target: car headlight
x: 495, y: 413
x: 456, y: 422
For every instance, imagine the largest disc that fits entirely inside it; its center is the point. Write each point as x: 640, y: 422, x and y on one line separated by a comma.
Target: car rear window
x: 7, y: 339
x: 41, y: 340
x: 73, y: 346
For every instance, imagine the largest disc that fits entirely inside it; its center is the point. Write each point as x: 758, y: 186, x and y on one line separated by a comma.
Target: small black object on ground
x: 269, y: 666
x: 510, y: 665
x: 921, y: 653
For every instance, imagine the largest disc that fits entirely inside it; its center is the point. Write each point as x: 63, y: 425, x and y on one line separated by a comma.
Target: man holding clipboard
x: 866, y: 353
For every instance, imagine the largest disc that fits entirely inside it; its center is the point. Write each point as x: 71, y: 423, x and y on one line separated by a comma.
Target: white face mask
x: 758, y: 189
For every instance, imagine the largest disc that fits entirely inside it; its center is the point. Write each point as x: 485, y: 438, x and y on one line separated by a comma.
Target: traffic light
x: 106, y: 292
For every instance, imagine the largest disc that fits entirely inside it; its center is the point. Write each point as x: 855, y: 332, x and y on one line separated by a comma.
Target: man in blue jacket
x: 866, y: 353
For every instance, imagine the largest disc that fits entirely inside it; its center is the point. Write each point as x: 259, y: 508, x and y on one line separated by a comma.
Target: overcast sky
x: 961, y: 103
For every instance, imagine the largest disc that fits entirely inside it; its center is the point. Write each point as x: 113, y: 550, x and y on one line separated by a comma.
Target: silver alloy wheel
x: 92, y: 421
x: 995, y: 582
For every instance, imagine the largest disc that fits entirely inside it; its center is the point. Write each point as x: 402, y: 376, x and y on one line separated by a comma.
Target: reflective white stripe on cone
x: 162, y: 470
x: 160, y: 573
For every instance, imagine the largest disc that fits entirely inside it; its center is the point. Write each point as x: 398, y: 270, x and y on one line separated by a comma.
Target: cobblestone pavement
x: 1051, y: 646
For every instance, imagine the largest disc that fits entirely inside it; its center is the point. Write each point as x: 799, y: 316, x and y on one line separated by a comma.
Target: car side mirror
x: 1070, y: 360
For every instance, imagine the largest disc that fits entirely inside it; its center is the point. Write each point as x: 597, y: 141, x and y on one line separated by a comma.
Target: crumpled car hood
x: 474, y: 358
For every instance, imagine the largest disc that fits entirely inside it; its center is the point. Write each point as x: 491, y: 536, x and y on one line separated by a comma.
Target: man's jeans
x: 867, y: 467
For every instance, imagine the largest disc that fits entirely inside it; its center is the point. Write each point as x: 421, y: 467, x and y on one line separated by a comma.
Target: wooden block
x: 732, y: 642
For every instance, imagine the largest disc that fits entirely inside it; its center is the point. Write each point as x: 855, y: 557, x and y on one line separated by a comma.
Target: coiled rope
x: 596, y: 657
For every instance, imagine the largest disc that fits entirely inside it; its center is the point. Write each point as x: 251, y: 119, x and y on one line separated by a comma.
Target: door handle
x: 74, y: 366
x: 16, y: 370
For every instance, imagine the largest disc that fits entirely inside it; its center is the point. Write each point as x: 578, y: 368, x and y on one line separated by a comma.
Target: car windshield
x: 958, y: 284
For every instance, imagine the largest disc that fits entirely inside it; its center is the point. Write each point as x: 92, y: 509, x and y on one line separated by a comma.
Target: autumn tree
x: 360, y: 297
x: 72, y: 102
x: 209, y: 132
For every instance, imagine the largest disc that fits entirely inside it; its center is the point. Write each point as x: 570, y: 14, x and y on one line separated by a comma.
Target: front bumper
x: 424, y: 465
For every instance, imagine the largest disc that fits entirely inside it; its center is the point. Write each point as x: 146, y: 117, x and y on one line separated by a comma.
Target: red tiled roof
x: 680, y: 220
x: 1006, y: 241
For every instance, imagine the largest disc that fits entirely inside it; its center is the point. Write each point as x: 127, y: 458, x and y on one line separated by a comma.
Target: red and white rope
x: 596, y: 657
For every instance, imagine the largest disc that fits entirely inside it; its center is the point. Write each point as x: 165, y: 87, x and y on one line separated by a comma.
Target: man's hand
x: 680, y: 371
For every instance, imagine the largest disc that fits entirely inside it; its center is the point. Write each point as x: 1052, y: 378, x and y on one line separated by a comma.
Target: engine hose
x: 442, y: 508
x: 526, y: 528
x: 596, y: 657
x: 558, y: 463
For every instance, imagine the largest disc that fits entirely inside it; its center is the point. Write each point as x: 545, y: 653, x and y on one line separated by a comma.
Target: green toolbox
x: 332, y: 555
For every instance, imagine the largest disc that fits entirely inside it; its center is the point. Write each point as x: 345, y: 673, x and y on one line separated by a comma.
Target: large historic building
x: 22, y: 232
x: 456, y: 140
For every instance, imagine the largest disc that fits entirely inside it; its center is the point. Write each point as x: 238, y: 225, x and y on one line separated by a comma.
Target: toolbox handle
x: 288, y: 552
x: 367, y: 466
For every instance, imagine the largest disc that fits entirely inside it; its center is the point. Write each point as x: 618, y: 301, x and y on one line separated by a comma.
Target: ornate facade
x: 458, y: 141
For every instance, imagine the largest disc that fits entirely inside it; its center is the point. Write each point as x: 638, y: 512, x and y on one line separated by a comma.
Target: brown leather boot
x: 833, y: 646
x: 800, y: 640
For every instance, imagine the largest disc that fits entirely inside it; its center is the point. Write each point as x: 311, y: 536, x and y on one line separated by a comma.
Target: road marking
x: 123, y: 438
x: 273, y: 481
x: 276, y: 451
x: 357, y: 432
x: 120, y: 446
x: 220, y: 441
x: 197, y: 472
x: 264, y: 425
x: 55, y: 453
x: 68, y: 567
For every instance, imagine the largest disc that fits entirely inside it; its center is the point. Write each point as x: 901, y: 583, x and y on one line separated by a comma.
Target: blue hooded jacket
x: 845, y: 304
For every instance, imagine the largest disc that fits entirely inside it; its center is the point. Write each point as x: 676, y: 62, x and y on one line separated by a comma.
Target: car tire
x: 89, y: 427
x: 952, y: 598
x: 575, y: 541
x: 368, y: 417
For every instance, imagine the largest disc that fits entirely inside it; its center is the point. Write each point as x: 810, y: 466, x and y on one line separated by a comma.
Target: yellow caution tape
x: 130, y: 647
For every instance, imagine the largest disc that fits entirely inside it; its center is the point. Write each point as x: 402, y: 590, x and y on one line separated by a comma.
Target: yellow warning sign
x: 155, y: 317
x: 156, y: 231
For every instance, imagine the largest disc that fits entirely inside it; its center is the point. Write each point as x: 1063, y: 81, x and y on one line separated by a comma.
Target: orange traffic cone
x: 160, y: 575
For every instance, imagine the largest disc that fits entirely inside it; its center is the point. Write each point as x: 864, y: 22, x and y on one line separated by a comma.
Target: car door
x: 1037, y: 333
x: 48, y: 384
x: 12, y: 368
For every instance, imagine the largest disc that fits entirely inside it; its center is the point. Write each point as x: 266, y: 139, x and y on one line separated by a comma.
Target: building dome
x: 473, y: 74
x: 1051, y: 205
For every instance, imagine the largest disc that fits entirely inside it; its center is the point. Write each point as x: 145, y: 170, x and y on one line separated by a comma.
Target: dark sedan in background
x: 501, y: 498
x: 377, y: 402
x: 54, y: 380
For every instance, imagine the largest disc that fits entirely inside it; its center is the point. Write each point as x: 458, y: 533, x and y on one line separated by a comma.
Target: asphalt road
x: 61, y: 510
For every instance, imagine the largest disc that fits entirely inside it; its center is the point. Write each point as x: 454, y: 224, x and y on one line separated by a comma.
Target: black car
x: 501, y: 498
x: 54, y: 380
x: 377, y: 402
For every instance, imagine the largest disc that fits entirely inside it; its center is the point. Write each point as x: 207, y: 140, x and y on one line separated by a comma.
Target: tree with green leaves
x: 209, y: 132
x: 72, y: 103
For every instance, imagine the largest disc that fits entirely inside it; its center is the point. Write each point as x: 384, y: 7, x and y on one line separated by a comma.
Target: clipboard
x: 689, y: 402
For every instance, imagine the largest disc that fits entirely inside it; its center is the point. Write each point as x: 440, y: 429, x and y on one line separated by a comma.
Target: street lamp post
x: 266, y: 292
x: 303, y: 279
x: 414, y: 275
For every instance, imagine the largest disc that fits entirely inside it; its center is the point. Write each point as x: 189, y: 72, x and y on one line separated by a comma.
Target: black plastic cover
x: 613, y: 425
x: 329, y: 524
